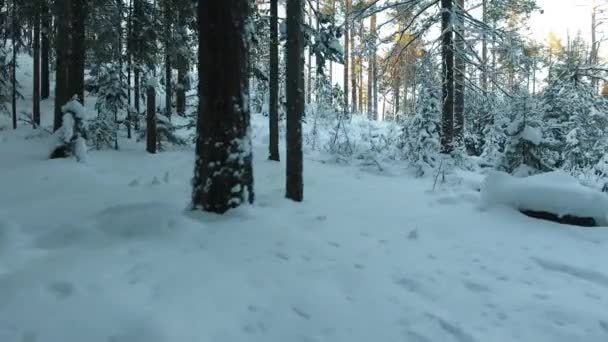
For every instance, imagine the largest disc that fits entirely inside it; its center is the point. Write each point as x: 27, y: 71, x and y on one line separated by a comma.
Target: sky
x: 561, y: 17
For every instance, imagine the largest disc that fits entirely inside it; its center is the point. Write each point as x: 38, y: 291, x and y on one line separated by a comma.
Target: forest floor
x: 106, y: 251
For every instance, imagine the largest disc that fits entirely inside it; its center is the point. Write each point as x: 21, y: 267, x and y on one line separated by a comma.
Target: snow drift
x: 552, y: 192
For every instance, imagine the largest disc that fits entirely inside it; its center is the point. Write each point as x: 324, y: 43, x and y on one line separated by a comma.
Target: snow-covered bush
x: 111, y: 91
x: 421, y: 133
x: 72, y: 134
x: 166, y: 132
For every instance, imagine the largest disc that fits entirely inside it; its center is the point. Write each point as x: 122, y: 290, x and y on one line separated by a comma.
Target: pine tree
x: 223, y: 176
x: 295, y: 99
x: 273, y: 112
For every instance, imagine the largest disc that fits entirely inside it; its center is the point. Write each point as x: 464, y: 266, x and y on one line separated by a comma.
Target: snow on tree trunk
x: 223, y: 177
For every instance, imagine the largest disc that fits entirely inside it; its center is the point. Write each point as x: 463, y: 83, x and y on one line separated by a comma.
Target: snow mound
x: 554, y: 192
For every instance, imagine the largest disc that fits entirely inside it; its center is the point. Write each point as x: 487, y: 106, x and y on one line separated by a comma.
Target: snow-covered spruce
x: 71, y: 137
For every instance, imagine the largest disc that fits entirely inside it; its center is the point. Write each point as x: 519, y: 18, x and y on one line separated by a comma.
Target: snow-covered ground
x: 105, y: 251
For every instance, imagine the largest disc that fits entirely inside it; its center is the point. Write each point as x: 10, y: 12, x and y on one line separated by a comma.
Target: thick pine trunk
x: 347, y: 5
x: 459, y: 74
x: 223, y: 176
x: 273, y: 116
x: 295, y: 99
x: 62, y: 92
x: 371, y: 72
x: 447, y: 76
x: 36, y: 83
x: 151, y: 138
x: 45, y: 46
x: 14, y: 65
x: 353, y: 70
x: 77, y: 57
x: 168, y: 67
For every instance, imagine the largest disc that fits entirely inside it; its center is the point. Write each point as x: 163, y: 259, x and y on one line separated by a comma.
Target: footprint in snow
x: 61, y: 289
x: 282, y: 256
x: 300, y: 312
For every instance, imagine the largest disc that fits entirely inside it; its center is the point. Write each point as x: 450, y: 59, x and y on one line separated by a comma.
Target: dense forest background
x: 459, y: 83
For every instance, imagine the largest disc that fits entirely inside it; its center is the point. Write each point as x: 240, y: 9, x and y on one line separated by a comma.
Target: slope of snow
x: 554, y: 192
x: 105, y: 251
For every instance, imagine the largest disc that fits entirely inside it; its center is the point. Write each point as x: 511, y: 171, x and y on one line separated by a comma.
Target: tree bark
x: 273, y: 116
x: 353, y: 70
x: 36, y: 83
x: 78, y: 50
x: 223, y: 177
x: 309, y: 67
x: 14, y: 65
x: 45, y: 83
x: 295, y: 100
x: 371, y: 71
x: 347, y: 5
x: 447, y: 56
x: 151, y: 138
x: 168, y: 67
x: 484, y: 50
x: 459, y: 73
x: 62, y: 92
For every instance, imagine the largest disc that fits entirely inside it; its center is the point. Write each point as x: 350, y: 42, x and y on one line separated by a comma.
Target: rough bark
x: 36, y: 62
x: 14, y: 65
x: 347, y: 6
x: 62, y: 53
x: 151, y: 138
x: 459, y: 73
x: 353, y: 70
x: 295, y: 100
x: 223, y: 177
x: 371, y: 73
x: 447, y: 75
x: 168, y: 67
x: 78, y: 50
x: 484, y: 50
x: 45, y: 46
x: 273, y: 116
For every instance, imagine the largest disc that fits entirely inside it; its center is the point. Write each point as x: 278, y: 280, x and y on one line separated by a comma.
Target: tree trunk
x: 295, y: 100
x: 371, y: 71
x: 447, y: 75
x: 14, y: 66
x: 484, y: 49
x: 168, y: 47
x: 136, y: 96
x: 459, y: 73
x: 223, y: 176
x: 309, y: 65
x: 62, y: 48
x: 77, y: 57
x: 353, y: 70
x: 594, y: 44
x: 273, y: 116
x: 36, y: 83
x: 45, y: 83
x: 347, y: 5
x: 129, y: 68
x: 151, y: 138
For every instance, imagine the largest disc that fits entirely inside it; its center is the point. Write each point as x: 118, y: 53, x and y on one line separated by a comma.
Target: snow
x: 105, y: 251
x: 76, y: 108
x: 532, y: 134
x: 554, y: 192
